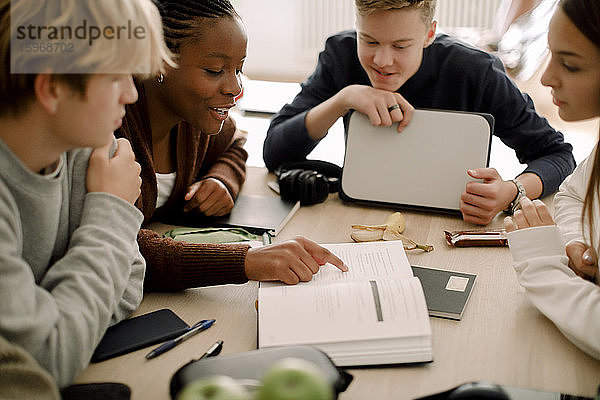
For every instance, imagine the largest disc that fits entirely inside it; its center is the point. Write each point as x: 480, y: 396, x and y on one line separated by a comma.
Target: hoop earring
x: 160, y: 78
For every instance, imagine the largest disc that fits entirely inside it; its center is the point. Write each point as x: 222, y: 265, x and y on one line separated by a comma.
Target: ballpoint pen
x: 213, y: 350
x: 168, y: 345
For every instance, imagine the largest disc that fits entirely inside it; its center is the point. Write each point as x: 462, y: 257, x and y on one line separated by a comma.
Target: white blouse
x: 570, y: 302
x: 165, y: 183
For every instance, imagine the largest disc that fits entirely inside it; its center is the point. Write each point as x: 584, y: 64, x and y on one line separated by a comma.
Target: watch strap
x: 516, y: 203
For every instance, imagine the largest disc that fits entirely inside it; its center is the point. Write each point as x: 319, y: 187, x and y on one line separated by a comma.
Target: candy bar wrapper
x: 476, y: 238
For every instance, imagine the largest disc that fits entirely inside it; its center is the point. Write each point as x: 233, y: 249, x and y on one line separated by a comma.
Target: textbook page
x: 342, y: 311
x: 366, y: 260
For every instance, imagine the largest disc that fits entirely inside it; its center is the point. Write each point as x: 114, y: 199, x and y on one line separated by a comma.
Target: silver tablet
x: 424, y: 166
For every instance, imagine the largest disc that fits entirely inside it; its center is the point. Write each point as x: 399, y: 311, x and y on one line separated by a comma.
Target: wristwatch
x: 516, y: 203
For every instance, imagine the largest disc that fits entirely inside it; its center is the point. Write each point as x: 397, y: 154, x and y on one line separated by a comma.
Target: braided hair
x: 182, y: 18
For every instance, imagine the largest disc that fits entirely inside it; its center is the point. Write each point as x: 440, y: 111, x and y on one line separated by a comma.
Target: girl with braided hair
x: 562, y: 281
x: 192, y: 156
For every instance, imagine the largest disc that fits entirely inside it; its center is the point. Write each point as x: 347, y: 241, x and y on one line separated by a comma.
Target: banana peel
x: 366, y: 233
x: 394, y: 225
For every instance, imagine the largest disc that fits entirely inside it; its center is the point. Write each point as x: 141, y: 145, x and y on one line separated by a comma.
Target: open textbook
x: 373, y: 314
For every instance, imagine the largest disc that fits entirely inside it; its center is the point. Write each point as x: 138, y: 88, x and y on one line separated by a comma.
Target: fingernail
x: 587, y: 258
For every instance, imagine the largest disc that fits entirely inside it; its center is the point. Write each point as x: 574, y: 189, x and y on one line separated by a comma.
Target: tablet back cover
x: 424, y: 166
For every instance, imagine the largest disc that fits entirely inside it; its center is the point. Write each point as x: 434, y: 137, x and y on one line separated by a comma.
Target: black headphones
x: 309, y: 181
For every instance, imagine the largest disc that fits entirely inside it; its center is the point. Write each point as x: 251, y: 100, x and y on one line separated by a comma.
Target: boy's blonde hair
x: 27, y: 25
x: 427, y: 7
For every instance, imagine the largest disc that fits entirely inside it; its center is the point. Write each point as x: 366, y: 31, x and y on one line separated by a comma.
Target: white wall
x: 272, y: 27
x: 286, y: 36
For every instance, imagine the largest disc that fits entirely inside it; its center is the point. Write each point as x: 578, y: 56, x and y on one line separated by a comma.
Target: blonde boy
x: 69, y: 262
x: 394, y: 62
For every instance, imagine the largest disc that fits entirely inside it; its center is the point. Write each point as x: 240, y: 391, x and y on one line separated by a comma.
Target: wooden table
x: 502, y: 338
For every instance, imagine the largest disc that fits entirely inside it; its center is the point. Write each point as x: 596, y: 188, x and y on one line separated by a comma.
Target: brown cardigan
x: 173, y: 265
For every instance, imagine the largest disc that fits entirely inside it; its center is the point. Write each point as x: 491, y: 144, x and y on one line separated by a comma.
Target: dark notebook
x: 257, y: 214
x: 446, y: 292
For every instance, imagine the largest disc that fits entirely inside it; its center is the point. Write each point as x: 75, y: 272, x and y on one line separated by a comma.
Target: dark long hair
x: 585, y: 15
x: 182, y: 18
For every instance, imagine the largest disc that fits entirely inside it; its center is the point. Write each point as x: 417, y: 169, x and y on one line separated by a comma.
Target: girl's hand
x: 290, y: 262
x: 532, y: 213
x: 583, y: 260
x: 209, y: 197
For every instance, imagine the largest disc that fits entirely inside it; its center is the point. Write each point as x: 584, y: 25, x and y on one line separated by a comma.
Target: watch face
x: 516, y: 203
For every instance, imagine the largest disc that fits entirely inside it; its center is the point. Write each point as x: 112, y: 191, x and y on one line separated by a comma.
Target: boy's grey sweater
x: 69, y: 262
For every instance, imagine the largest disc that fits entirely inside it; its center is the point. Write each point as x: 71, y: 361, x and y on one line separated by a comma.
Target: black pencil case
x: 253, y: 364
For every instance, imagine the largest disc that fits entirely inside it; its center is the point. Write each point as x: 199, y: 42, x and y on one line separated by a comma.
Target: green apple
x: 294, y: 379
x: 218, y: 387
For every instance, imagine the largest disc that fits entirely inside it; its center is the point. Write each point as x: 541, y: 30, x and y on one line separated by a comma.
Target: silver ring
x: 394, y: 107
